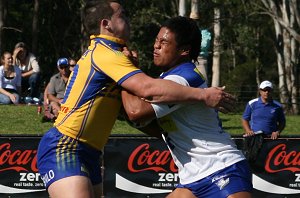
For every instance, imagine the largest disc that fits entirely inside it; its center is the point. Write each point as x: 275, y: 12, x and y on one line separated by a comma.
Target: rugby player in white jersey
x: 209, y: 163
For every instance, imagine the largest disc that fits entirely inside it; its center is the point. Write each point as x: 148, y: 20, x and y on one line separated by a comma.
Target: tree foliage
x: 248, y: 41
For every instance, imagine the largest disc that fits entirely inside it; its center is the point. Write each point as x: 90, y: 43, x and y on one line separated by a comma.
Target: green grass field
x: 24, y: 120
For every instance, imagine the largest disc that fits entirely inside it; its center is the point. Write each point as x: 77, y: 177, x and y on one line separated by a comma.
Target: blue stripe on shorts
x: 225, y: 182
x: 60, y: 156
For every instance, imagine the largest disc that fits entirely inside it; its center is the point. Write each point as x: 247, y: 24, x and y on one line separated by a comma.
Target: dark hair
x: 187, y: 33
x: 93, y: 12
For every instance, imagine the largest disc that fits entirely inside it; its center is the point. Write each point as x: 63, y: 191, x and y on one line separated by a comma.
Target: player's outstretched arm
x: 166, y: 91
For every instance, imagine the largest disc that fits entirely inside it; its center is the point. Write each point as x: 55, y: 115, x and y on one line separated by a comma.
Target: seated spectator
x: 30, y: 69
x: 10, y: 80
x: 57, y: 85
x: 48, y: 113
x: 72, y: 64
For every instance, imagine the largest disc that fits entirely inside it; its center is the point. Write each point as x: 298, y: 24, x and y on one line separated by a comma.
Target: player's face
x: 166, y: 54
x: 119, y: 22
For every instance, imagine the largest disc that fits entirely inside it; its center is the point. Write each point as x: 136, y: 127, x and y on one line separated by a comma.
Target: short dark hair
x: 187, y: 33
x: 93, y: 12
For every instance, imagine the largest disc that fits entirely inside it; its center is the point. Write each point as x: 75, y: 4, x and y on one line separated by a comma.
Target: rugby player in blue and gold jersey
x: 69, y: 153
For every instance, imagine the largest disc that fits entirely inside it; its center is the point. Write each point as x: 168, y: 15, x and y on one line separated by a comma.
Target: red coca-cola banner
x: 140, y: 166
x: 143, y: 168
x: 18, y: 169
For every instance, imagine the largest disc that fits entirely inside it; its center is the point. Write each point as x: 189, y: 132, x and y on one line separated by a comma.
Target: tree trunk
x: 182, y: 8
x: 216, y: 51
x: 293, y: 57
x: 286, y: 21
x: 1, y: 23
x: 257, y: 67
x: 202, y: 66
x: 34, y: 45
x: 194, y: 10
x: 283, y: 92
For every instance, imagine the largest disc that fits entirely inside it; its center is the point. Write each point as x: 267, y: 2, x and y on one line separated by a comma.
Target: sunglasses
x: 63, y: 66
x: 266, y: 89
x: 72, y: 65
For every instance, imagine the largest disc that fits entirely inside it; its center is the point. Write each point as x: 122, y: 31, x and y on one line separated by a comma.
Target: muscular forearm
x: 165, y: 91
x: 136, y: 109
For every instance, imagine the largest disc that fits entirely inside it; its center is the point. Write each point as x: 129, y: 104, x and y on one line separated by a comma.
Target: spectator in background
x: 30, y: 69
x: 48, y: 113
x: 264, y: 114
x: 57, y: 85
x: 263, y: 117
x: 72, y: 64
x: 10, y: 80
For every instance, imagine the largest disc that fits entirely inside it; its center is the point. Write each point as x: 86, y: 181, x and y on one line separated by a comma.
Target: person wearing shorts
x: 209, y: 163
x: 69, y: 153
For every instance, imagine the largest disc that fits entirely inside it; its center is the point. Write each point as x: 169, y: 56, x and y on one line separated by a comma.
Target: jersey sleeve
x: 114, y: 64
x: 247, y: 113
x: 163, y: 109
x: 281, y: 116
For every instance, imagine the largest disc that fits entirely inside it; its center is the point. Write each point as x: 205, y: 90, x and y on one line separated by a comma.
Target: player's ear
x: 185, y: 50
x: 105, y: 23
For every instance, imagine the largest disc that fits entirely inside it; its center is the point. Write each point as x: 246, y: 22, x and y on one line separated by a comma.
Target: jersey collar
x: 109, y: 40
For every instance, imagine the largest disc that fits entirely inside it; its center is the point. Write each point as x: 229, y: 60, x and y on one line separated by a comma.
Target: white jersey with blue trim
x: 193, y: 132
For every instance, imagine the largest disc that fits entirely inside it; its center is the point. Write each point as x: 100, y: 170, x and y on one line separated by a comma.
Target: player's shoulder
x: 190, y: 73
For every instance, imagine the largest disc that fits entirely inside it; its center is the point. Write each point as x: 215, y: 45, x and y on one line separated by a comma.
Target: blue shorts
x: 225, y: 182
x: 60, y: 156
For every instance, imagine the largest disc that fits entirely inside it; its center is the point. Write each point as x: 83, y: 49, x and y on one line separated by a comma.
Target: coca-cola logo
x: 17, y: 160
x: 142, y: 159
x: 279, y: 159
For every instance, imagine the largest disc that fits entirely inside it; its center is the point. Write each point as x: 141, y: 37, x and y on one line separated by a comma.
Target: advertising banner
x: 143, y: 168
x: 140, y: 166
x: 276, y: 170
x: 19, y: 175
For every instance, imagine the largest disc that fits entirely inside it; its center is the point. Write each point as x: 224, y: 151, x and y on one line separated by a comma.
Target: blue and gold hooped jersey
x: 92, y: 98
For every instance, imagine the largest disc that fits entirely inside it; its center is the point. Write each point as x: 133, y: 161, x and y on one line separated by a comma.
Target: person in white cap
x: 263, y: 114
